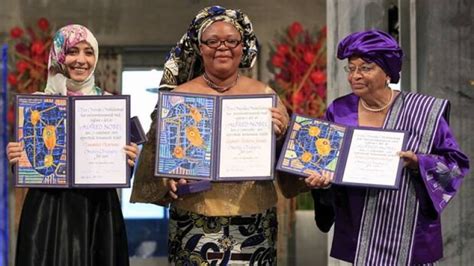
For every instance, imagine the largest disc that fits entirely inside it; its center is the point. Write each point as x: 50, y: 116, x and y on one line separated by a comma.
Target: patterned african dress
x: 397, y: 227
x: 196, y: 239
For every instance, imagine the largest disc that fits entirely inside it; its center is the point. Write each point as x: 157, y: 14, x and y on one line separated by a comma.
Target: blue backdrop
x: 3, y: 161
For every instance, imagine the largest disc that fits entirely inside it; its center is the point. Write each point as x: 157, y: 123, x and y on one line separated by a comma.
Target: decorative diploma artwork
x: 365, y: 157
x: 215, y: 138
x: 72, y: 141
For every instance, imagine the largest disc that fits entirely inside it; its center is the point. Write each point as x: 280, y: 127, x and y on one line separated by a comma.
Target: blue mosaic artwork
x: 313, y: 146
x: 42, y: 129
x: 185, y: 135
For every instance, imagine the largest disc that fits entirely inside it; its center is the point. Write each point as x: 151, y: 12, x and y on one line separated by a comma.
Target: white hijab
x: 58, y: 82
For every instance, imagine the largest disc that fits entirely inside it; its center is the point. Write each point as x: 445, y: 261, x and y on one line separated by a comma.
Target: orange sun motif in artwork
x: 48, y: 160
x: 49, y: 137
x: 178, y: 152
x: 306, y: 157
x: 323, y: 146
x: 194, y: 136
x: 196, y: 114
x: 314, y: 131
x: 35, y: 117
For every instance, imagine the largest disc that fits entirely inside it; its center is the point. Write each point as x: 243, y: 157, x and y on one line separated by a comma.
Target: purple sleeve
x: 328, y: 115
x: 443, y: 169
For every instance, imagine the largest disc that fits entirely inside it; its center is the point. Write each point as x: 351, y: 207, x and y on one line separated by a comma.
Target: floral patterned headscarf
x: 185, y: 62
x: 65, y: 38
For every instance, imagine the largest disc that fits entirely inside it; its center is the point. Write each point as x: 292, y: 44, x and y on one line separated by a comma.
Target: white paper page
x: 100, y: 136
x: 246, y: 138
x: 373, y: 158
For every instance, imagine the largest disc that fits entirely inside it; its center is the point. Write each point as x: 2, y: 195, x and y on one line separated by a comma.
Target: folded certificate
x: 218, y: 138
x: 72, y: 141
x: 365, y: 157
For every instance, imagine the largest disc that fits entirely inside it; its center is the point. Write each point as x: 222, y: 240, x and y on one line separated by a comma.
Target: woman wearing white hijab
x: 61, y: 227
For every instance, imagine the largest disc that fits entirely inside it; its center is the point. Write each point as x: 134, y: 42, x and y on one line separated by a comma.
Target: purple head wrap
x: 374, y: 46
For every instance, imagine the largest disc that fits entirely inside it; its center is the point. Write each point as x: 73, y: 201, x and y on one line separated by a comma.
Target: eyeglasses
x: 364, y: 69
x: 214, y: 43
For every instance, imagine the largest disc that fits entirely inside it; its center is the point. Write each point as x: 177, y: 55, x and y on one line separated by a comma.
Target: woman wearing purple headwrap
x: 390, y: 227
x: 233, y: 222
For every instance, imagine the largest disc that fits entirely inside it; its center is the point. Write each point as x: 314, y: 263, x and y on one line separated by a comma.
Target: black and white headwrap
x: 185, y: 61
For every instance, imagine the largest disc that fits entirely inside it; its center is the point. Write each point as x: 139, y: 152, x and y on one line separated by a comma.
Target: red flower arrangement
x: 29, y: 57
x: 298, y: 62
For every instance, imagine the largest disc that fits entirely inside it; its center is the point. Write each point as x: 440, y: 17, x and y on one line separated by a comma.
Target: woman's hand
x: 14, y: 150
x: 317, y: 180
x: 280, y: 121
x: 132, y: 153
x: 410, y: 159
x: 173, y: 186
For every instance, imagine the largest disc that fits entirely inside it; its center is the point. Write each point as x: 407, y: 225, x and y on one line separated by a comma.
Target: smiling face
x: 80, y: 61
x: 364, y: 77
x: 223, y: 60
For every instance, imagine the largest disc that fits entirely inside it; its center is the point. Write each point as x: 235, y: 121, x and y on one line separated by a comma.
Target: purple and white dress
x: 397, y: 227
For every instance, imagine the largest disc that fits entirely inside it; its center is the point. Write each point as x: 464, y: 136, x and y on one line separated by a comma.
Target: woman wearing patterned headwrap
x: 60, y: 227
x: 390, y: 227
x: 233, y: 222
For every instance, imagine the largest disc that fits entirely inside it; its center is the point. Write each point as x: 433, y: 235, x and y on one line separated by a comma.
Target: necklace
x: 375, y: 110
x: 216, y: 87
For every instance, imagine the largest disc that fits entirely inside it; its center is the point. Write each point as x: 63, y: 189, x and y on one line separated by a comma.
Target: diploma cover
x: 355, y: 156
x: 72, y: 141
x: 215, y: 138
